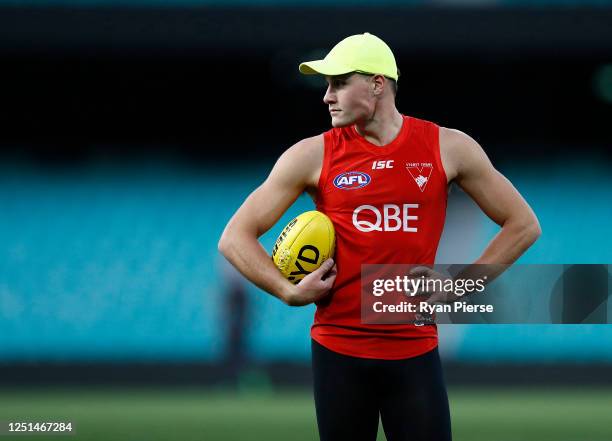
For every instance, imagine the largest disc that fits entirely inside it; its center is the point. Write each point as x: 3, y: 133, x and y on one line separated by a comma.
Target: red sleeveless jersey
x: 388, y: 205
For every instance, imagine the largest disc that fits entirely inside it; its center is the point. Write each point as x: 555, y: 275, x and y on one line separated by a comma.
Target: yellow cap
x: 364, y: 53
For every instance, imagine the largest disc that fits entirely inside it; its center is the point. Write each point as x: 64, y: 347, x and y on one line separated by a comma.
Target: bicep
x: 492, y: 191
x: 264, y: 207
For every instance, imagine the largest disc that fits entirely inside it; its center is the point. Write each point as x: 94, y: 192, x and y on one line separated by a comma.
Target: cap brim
x: 323, y: 67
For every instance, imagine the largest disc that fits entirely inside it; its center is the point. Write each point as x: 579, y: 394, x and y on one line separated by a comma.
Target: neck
x: 382, y: 128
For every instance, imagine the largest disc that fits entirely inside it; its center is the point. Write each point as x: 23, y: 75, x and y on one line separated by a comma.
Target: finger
x: 436, y: 297
x: 324, y: 269
x: 420, y: 292
x: 330, y: 278
x: 326, y: 266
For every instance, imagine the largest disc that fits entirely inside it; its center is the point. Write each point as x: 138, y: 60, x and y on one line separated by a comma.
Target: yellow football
x: 303, y: 245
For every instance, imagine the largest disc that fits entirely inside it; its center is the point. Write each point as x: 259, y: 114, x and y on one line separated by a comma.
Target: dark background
x: 218, y: 82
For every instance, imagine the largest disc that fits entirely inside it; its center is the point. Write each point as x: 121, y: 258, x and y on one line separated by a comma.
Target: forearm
x: 510, y: 243
x: 248, y: 256
x: 505, y: 248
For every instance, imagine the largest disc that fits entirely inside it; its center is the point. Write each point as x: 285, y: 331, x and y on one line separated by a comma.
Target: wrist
x: 288, y: 294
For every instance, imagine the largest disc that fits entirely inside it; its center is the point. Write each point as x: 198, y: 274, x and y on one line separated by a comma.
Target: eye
x: 337, y: 83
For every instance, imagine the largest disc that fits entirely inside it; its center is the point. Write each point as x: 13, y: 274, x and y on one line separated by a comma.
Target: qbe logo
x: 390, y: 218
x: 352, y: 180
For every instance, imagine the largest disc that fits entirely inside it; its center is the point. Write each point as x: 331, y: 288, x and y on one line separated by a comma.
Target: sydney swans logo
x: 420, y: 172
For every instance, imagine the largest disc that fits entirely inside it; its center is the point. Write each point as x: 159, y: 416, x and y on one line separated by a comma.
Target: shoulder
x: 461, y: 153
x: 305, y: 151
x: 304, y: 159
x: 456, y: 140
x: 310, y: 145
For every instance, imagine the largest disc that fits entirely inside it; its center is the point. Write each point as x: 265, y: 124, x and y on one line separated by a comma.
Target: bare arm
x: 495, y: 195
x: 467, y: 164
x: 296, y: 170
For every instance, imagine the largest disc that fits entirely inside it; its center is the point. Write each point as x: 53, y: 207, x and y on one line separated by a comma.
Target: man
x: 394, y: 213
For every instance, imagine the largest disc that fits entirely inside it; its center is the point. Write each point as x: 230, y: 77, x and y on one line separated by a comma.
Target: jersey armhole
x: 322, y: 183
x: 437, y: 152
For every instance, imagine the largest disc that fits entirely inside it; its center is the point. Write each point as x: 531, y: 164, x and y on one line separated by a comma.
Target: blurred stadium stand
x: 120, y: 265
x: 131, y: 133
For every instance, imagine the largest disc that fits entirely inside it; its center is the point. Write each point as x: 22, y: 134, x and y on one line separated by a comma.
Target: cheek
x: 353, y: 101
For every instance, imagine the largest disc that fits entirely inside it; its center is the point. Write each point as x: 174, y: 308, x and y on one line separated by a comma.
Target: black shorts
x: 409, y: 395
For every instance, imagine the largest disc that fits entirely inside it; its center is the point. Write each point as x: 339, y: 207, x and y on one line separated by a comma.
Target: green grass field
x: 186, y: 415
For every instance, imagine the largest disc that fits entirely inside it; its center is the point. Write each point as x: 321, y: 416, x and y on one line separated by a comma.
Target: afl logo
x: 352, y: 180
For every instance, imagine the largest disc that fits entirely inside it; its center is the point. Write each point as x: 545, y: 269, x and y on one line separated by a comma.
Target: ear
x: 377, y: 83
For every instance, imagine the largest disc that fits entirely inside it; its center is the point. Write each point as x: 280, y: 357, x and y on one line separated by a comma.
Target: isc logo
x: 351, y: 180
x: 377, y: 165
x: 392, y: 218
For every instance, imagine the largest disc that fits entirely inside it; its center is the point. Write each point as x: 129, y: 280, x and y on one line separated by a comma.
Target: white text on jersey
x: 388, y: 220
x: 382, y: 164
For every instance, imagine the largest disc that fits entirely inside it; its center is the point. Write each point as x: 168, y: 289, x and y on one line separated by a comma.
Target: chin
x: 340, y: 122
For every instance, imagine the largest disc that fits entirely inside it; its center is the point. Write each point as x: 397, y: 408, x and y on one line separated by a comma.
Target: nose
x: 330, y: 96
